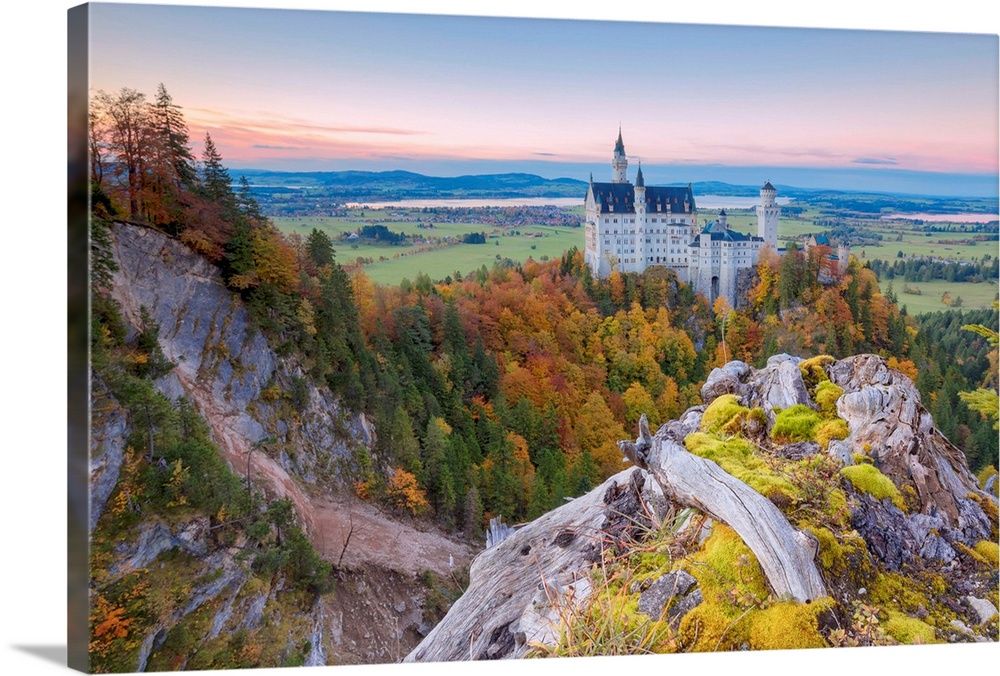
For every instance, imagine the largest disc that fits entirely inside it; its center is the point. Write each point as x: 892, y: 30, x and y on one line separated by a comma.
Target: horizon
x: 890, y: 182
x: 306, y: 90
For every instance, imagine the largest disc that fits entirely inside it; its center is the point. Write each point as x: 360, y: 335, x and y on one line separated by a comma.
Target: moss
x: 831, y: 429
x: 720, y: 412
x: 985, y: 475
x: 727, y: 571
x: 989, y: 551
x: 813, y: 371
x: 826, y: 397
x: 972, y: 553
x: 748, y: 423
x: 708, y: 629
x: 736, y: 456
x: 906, y: 629
x: 863, y: 459
x: 795, y: 423
x: 787, y: 626
x: 892, y: 590
x: 868, y: 479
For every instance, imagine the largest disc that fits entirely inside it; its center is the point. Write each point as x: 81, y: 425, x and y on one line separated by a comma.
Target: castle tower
x: 767, y: 215
x: 640, y: 221
x: 722, y: 220
x: 619, y: 162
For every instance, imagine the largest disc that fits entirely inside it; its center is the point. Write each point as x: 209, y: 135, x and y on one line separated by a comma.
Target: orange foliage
x: 404, y: 492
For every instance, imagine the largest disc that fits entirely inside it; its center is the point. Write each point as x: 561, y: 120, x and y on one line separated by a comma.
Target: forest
x: 501, y: 392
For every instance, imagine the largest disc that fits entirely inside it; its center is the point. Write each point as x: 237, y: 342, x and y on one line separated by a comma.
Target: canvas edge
x: 78, y: 324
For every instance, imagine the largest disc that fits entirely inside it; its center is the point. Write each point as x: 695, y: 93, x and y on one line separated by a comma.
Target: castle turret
x: 619, y: 162
x: 722, y: 220
x: 767, y: 215
x: 642, y: 249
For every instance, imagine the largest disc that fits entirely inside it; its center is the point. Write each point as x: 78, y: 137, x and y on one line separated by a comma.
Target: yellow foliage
x: 990, y: 551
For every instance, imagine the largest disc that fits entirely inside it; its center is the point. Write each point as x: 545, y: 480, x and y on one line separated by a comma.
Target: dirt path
x: 375, y: 538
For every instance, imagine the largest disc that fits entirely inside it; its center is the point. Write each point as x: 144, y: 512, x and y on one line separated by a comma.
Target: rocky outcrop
x: 888, y: 423
x: 522, y: 590
x: 301, y: 447
x: 108, y: 431
x: 226, y: 367
x: 778, y: 385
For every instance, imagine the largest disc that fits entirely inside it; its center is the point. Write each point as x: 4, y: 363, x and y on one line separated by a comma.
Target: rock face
x: 778, y: 385
x: 239, y: 385
x: 228, y: 369
x: 108, y: 432
x: 887, y: 422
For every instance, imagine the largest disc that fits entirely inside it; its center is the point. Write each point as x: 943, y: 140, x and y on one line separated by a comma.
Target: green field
x: 465, y: 258
x: 517, y: 243
x: 974, y: 296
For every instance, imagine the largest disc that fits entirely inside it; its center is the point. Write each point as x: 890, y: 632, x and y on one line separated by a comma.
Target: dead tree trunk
x: 786, y: 555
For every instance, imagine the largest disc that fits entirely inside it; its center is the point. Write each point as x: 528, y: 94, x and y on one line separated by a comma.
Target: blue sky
x: 307, y: 90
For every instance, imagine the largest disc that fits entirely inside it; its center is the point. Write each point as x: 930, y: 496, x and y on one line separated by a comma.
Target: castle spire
x: 639, y: 182
x: 619, y: 161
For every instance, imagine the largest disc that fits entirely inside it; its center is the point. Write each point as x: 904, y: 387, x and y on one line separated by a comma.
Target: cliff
x: 297, y: 441
x: 805, y: 504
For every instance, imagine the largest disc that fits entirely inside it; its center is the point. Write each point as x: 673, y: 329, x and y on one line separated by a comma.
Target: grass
x: 974, y: 296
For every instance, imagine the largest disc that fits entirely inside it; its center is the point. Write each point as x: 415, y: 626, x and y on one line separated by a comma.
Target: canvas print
x: 416, y: 338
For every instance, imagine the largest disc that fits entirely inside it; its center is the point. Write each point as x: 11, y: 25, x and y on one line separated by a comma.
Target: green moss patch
x: 989, y: 551
x: 906, y: 629
x: 813, y: 371
x: 720, y: 412
x: 737, y: 457
x: 826, y: 397
x: 868, y: 479
x: 795, y: 423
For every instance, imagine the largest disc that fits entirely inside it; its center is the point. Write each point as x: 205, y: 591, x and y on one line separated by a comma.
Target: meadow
x: 390, y: 265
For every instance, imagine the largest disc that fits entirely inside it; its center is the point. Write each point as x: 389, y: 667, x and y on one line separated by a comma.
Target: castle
x: 631, y: 227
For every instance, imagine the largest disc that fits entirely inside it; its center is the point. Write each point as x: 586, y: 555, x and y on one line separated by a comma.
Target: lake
x: 703, y: 202
x: 944, y: 218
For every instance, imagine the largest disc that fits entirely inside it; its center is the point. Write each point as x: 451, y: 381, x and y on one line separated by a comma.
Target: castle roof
x: 768, y: 186
x: 717, y: 232
x: 619, y: 198
x: 639, y: 181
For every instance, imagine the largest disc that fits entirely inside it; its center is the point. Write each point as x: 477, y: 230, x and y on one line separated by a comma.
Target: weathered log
x: 787, y: 556
x: 519, y: 587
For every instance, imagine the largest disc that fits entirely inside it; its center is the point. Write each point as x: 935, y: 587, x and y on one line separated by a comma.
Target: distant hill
x: 273, y: 187
x: 368, y: 185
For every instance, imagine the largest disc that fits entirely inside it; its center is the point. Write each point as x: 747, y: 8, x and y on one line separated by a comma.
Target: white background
x: 33, y: 333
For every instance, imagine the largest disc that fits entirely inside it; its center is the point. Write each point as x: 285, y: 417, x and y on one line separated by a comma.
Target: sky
x: 448, y: 95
